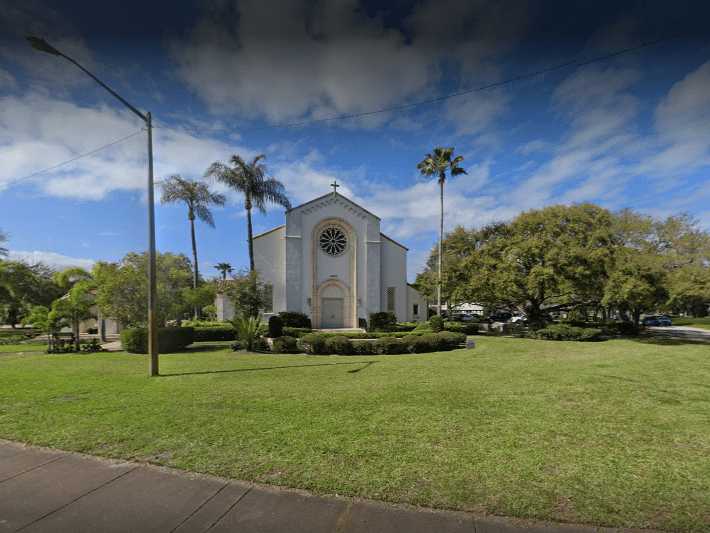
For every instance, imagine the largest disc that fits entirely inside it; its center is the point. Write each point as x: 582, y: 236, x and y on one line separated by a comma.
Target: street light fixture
x: 43, y: 46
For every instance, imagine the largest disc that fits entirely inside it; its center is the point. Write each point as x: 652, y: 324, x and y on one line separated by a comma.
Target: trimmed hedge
x: 285, y: 344
x: 135, y: 340
x: 467, y: 328
x: 436, y: 323
x: 276, y: 327
x: 339, y: 345
x: 214, y: 333
x: 383, y: 321
x: 390, y: 346
x: 565, y: 332
x: 449, y: 340
x: 296, y: 332
x: 294, y: 319
x: 313, y: 343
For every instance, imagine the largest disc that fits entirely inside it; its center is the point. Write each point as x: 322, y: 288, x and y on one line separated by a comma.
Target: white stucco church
x: 331, y: 261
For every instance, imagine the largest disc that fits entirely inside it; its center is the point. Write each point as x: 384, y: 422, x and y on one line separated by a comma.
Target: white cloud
x: 37, y: 131
x: 315, y: 62
x: 52, y: 259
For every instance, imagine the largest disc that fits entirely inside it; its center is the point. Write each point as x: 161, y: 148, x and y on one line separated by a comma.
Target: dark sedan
x: 657, y: 320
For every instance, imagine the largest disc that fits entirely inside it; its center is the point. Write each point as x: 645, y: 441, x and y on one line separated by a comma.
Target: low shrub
x: 91, y: 346
x: 135, y: 340
x: 12, y: 339
x: 364, y: 348
x: 421, y: 343
x: 467, y: 328
x: 295, y: 319
x: 312, y: 343
x: 620, y: 328
x: 339, y: 345
x: 285, y: 344
x: 436, y: 323
x: 406, y: 326
x: 390, y: 346
x: 449, y: 340
x: 565, y: 332
x: 296, y: 332
x: 236, y: 346
x: 214, y: 333
x: 205, y: 324
x: 383, y: 321
x: 276, y: 326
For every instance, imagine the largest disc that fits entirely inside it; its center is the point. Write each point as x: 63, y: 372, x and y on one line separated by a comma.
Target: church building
x: 331, y: 261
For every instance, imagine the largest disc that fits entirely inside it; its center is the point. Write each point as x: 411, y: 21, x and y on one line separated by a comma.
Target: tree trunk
x: 75, y: 327
x: 195, y: 273
x: 441, y: 243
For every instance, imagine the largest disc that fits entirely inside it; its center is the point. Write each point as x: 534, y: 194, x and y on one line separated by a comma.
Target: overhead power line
x: 508, y: 81
x: 80, y: 156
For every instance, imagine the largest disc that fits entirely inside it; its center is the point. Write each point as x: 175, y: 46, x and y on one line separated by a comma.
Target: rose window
x: 333, y: 240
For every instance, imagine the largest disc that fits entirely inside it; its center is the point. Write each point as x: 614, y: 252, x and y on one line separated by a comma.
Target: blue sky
x: 222, y: 78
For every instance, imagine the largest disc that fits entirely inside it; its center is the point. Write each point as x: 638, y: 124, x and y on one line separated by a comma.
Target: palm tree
x: 224, y: 269
x: 438, y: 164
x: 3, y: 238
x: 198, y: 198
x: 251, y: 180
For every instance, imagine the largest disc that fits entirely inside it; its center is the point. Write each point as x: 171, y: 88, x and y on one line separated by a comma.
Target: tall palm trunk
x: 195, y: 273
x: 441, y: 242
x: 247, y: 205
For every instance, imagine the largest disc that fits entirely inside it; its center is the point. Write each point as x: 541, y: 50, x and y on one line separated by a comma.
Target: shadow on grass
x: 365, y: 365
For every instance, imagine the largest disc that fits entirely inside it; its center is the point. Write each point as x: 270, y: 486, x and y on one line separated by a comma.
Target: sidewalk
x: 51, y: 490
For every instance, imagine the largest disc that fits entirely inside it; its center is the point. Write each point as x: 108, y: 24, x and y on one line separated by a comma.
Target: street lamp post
x: 43, y: 46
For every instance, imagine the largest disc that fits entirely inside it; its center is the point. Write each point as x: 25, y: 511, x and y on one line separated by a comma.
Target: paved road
x: 680, y: 333
x: 52, y: 491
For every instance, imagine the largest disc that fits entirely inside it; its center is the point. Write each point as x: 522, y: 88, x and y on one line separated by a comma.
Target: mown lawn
x: 22, y: 348
x: 702, y: 323
x: 614, y: 433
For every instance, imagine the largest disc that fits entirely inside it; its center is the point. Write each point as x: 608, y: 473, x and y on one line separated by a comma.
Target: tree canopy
x: 579, y: 256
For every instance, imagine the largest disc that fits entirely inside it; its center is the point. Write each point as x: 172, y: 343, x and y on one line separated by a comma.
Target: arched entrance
x: 333, y: 305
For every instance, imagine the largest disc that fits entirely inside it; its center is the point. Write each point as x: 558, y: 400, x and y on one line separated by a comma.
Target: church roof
x: 392, y: 240
x: 268, y: 231
x: 336, y: 194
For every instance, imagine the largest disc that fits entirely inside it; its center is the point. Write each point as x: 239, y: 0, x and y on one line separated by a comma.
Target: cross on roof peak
x: 335, y: 186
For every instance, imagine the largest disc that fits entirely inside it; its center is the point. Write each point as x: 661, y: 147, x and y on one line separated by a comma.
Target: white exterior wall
x: 290, y: 259
x: 414, y: 297
x: 394, y: 274
x: 269, y: 260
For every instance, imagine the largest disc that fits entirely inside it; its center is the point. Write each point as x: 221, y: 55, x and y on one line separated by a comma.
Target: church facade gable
x: 331, y: 262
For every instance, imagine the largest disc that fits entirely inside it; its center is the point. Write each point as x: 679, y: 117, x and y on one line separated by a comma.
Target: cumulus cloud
x: 37, y: 131
x: 53, y: 259
x: 313, y: 61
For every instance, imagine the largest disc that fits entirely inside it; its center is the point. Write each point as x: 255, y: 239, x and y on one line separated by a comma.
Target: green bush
x: 313, y: 343
x: 620, y: 328
x: 383, y: 321
x: 467, y: 328
x: 389, y: 346
x: 276, y: 326
x: 212, y: 333
x: 364, y: 348
x: 294, y: 319
x: 449, y: 340
x: 339, y: 345
x: 135, y: 340
x: 565, y: 332
x: 285, y: 344
x: 296, y: 332
x: 205, y: 324
x: 406, y: 326
x: 436, y: 323
x: 421, y: 343
x: 236, y: 346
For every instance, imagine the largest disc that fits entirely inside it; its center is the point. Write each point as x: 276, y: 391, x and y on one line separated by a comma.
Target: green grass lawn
x: 703, y: 323
x: 22, y: 348
x: 613, y: 433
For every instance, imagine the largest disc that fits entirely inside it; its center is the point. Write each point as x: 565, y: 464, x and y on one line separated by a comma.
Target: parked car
x: 519, y: 318
x: 657, y: 320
